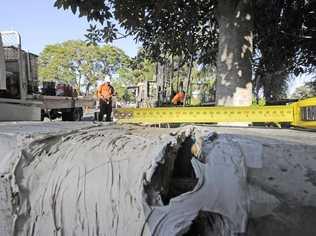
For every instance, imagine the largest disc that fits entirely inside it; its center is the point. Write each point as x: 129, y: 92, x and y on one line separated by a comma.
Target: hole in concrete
x: 208, y: 224
x: 174, y: 177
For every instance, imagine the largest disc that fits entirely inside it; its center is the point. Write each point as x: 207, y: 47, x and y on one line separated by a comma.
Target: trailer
x: 20, y: 98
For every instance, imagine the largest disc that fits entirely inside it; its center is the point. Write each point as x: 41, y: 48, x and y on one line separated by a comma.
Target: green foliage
x: 305, y: 91
x: 261, y: 102
x: 79, y: 64
x: 140, y: 69
x: 284, y: 32
x: 183, y: 28
x: 206, y: 75
x: 284, y: 43
x: 143, y: 70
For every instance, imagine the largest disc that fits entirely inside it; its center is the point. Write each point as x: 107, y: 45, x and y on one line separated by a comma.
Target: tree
x: 305, y: 91
x: 80, y: 64
x: 184, y: 28
x: 143, y: 69
x: 139, y: 69
x: 196, y: 29
x: 284, y: 44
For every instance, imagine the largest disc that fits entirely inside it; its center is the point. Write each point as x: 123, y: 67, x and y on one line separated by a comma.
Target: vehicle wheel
x: 42, y: 115
x: 73, y: 115
x: 66, y: 116
x: 77, y: 114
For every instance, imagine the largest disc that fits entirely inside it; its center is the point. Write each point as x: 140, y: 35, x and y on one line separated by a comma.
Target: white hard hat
x: 107, y: 79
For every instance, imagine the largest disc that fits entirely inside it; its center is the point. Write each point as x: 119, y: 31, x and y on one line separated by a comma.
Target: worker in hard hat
x: 105, y: 93
x: 178, y: 99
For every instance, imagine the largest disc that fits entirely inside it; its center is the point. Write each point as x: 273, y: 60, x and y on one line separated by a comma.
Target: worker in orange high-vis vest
x: 104, y: 94
x: 178, y: 99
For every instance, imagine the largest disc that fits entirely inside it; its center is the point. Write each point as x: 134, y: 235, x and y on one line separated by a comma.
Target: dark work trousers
x: 105, y: 109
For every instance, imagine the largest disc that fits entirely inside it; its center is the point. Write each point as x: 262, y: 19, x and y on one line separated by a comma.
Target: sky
x: 40, y: 23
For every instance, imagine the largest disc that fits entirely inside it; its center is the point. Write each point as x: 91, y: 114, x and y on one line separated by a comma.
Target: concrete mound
x: 130, y: 180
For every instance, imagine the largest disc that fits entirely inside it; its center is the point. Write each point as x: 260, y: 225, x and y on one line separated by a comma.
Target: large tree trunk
x: 235, y: 21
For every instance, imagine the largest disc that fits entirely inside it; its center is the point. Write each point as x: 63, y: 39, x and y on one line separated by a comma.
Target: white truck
x: 20, y: 99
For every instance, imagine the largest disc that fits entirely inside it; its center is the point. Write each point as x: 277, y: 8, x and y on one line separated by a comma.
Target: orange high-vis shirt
x: 178, y: 98
x: 105, y: 91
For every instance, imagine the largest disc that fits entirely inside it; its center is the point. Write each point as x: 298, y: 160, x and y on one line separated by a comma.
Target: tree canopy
x: 164, y: 27
x: 80, y: 64
x: 214, y: 32
x: 185, y: 27
x: 284, y: 43
x: 305, y: 91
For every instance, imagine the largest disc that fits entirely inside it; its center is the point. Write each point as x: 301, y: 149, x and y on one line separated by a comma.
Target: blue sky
x: 39, y: 24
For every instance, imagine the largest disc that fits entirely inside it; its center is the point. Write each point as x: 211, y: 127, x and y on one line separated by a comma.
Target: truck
x: 20, y: 98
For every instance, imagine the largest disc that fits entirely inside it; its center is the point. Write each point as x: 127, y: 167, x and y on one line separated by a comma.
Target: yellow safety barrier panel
x: 301, y: 113
x: 304, y: 112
